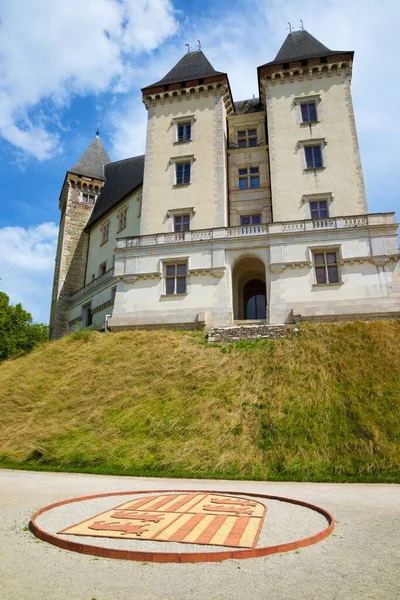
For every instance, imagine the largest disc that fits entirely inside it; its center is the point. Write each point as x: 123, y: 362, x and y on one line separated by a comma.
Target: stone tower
x: 314, y: 154
x: 185, y: 164
x: 81, y: 187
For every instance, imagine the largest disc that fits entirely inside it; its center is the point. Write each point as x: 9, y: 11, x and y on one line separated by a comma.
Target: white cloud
x: 52, y: 50
x: 27, y: 265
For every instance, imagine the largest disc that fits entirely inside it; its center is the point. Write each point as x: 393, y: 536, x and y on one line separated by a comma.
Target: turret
x: 185, y: 176
x: 314, y: 155
x: 81, y: 187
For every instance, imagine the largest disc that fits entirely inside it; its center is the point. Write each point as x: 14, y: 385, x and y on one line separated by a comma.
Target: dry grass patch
x: 322, y: 405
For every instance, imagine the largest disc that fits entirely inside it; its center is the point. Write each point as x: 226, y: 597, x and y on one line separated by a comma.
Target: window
x: 175, y: 278
x: 319, y: 209
x: 249, y: 178
x: 181, y: 223
x: 87, y: 315
x: 182, y: 173
x: 184, y: 132
x: 313, y: 156
x: 102, y: 268
x: 122, y: 219
x: 104, y: 233
x: 326, y: 267
x: 247, y: 138
x: 250, y: 220
x: 88, y: 198
x: 309, y: 112
x: 113, y: 294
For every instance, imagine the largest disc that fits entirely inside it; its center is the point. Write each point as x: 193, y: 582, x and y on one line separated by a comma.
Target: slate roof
x: 92, y: 161
x: 193, y: 65
x: 122, y: 178
x: 300, y: 45
x: 244, y: 107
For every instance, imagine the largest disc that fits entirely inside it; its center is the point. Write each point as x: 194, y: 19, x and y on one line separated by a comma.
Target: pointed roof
x: 193, y: 65
x: 300, y: 45
x: 92, y: 161
x: 122, y: 178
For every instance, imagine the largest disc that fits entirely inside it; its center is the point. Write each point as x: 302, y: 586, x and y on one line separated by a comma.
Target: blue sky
x: 64, y: 64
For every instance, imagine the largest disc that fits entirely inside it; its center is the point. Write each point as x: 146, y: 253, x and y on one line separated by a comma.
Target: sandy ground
x: 360, y: 560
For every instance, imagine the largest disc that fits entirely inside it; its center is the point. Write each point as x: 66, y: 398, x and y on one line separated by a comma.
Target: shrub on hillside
x: 18, y: 334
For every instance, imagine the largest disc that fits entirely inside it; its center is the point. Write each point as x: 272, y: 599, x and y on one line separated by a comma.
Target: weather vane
x: 98, y: 127
x: 302, y: 26
x: 199, y: 44
x: 290, y: 27
x: 188, y: 47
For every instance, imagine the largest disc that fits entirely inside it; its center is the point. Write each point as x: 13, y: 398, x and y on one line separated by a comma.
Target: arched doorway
x: 249, y: 290
x: 254, y: 297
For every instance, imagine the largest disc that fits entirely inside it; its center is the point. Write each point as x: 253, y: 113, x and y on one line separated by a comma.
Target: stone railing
x: 283, y: 227
x: 93, y: 284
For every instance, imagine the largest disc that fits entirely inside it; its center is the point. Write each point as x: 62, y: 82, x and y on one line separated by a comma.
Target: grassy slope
x: 322, y: 405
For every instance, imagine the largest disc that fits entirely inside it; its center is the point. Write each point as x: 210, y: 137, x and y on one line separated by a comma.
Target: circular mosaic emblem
x: 141, y: 525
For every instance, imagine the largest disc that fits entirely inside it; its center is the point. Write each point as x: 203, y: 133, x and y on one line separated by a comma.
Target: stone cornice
x: 213, y: 86
x: 133, y: 277
x: 215, y: 271
x: 381, y: 260
x: 273, y: 74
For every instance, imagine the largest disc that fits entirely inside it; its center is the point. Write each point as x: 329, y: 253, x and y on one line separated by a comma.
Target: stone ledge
x: 332, y: 318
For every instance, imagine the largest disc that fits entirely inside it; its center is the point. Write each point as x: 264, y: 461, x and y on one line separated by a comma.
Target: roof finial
x: 199, y: 44
x: 98, y: 127
x: 290, y: 27
x: 188, y: 47
x: 302, y: 26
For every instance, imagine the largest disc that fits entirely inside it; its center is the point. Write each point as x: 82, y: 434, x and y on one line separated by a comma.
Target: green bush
x: 18, y: 334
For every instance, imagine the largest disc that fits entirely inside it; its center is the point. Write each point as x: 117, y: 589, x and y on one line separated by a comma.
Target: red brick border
x: 184, y: 557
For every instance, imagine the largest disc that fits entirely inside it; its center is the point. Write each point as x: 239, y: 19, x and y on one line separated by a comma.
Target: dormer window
x: 87, y: 198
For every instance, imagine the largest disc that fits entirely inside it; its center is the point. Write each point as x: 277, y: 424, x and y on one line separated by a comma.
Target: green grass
x: 322, y: 405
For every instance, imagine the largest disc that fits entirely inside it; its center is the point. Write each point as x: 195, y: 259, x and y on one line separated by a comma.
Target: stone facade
x: 262, y: 210
x: 72, y: 249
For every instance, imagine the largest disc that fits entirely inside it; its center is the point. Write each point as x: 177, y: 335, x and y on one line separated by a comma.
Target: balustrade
x: 255, y: 230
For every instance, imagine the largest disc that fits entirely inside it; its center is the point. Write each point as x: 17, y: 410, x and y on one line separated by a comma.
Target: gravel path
x: 360, y: 560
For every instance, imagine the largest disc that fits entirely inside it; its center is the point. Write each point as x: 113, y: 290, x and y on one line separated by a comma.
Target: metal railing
x: 93, y: 284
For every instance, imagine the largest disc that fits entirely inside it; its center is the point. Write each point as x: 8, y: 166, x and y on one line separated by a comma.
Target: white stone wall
x: 97, y: 298
x: 342, y: 174
x: 207, y: 192
x: 368, y: 282
x: 141, y: 297
x: 103, y: 253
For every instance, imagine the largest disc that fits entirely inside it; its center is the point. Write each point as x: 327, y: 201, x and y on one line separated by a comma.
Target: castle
x: 239, y: 211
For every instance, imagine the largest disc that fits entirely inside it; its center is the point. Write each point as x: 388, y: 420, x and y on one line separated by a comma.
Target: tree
x: 17, y: 332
